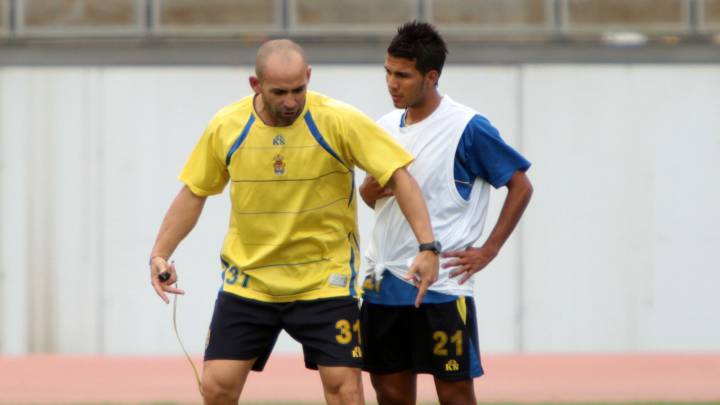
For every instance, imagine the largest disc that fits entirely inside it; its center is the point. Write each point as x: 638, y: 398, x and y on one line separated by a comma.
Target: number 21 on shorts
x: 441, y: 339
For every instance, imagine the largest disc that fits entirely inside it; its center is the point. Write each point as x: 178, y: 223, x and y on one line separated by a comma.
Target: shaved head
x: 279, y: 52
x: 280, y: 82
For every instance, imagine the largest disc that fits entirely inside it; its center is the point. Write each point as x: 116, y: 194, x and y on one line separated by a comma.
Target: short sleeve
x: 483, y: 153
x: 204, y: 173
x: 371, y: 148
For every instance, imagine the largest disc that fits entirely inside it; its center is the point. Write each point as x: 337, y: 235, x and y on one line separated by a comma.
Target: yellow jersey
x: 293, y: 224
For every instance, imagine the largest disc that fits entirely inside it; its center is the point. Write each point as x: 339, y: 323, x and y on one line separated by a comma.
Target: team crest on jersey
x: 279, y: 165
x: 279, y: 140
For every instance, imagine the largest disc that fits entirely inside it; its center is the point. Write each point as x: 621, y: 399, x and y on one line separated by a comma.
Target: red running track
x: 46, y: 379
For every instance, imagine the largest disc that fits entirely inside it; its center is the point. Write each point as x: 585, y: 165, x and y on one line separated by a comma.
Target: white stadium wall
x: 617, y: 252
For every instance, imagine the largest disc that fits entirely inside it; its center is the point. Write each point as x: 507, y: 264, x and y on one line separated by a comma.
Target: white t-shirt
x: 458, y: 156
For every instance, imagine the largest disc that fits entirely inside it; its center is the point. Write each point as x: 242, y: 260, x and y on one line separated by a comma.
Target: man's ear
x: 309, y: 71
x: 255, y: 84
x: 432, y: 78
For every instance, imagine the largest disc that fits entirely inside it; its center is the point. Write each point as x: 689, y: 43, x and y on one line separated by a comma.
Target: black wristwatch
x: 433, y: 246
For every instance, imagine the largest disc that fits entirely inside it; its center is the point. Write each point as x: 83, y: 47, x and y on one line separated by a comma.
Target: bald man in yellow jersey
x: 291, y: 256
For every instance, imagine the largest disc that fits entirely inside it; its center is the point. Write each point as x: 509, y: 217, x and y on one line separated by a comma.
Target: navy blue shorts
x: 437, y: 339
x: 244, y: 329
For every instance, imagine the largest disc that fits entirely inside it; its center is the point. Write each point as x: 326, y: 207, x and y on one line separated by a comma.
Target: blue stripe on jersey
x: 239, y: 139
x: 352, y: 271
x: 482, y: 153
x: 319, y: 138
x: 352, y: 189
x: 396, y: 292
x: 225, y: 266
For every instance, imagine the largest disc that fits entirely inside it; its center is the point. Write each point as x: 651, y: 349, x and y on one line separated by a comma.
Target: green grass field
x: 504, y: 403
x: 511, y: 403
x: 500, y: 403
x: 373, y: 402
x: 434, y: 403
x: 479, y: 403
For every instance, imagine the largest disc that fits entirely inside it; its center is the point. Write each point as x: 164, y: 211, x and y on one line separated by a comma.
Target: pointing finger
x: 422, y: 290
x: 420, y: 295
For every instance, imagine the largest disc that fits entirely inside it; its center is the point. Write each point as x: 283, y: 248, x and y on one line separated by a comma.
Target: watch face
x: 433, y: 246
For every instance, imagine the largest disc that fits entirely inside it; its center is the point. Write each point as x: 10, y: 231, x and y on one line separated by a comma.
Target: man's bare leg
x: 342, y: 385
x: 396, y: 388
x: 455, y: 392
x: 223, y: 380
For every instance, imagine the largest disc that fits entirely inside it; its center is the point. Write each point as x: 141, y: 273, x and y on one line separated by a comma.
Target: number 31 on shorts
x: 345, y: 333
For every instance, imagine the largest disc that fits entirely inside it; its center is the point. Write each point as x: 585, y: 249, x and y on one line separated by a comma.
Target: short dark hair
x: 421, y: 42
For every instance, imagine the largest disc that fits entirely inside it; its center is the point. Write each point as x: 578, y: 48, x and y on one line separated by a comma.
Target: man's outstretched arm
x: 179, y: 220
x: 411, y: 202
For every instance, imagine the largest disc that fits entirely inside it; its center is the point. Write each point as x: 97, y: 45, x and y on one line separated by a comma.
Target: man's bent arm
x: 469, y: 261
x: 179, y: 220
x: 519, y: 192
x: 411, y: 202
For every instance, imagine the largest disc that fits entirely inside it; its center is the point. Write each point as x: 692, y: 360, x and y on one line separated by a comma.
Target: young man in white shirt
x: 459, y: 156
